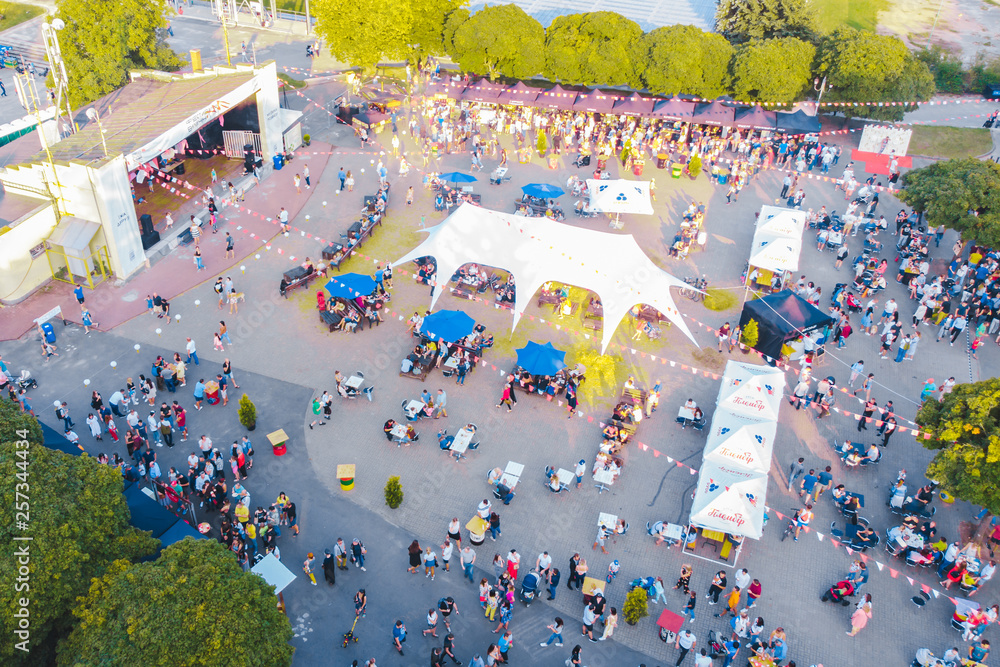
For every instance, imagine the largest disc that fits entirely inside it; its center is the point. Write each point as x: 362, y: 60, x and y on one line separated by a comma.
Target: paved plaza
x: 282, y: 359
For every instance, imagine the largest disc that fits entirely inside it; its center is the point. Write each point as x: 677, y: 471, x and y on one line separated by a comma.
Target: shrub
x: 694, y: 166
x: 636, y: 606
x: 393, y: 492
x: 750, y: 334
x: 541, y: 144
x: 719, y: 299
x: 247, y: 413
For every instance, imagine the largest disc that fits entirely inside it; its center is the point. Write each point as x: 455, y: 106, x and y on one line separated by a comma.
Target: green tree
x: 427, y: 31
x: 595, y: 48
x: 193, y: 605
x: 451, y: 25
x: 963, y: 195
x: 742, y: 20
x: 364, y: 32
x: 965, y: 429
x: 103, y: 41
x: 945, y: 67
x: 684, y: 59
x: 500, y: 41
x: 861, y: 66
x: 773, y: 70
x: 78, y: 523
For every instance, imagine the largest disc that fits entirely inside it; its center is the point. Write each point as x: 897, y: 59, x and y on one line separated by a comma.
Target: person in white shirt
x: 743, y: 579
x: 581, y: 468
x: 543, y: 563
x: 702, y: 659
x: 685, y: 642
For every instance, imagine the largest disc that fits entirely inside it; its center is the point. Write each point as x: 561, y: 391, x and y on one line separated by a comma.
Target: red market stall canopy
x: 673, y: 109
x: 595, y: 102
x: 715, y: 113
x: 755, y: 118
x: 556, y: 98
x: 634, y: 106
x: 518, y: 95
x: 482, y: 92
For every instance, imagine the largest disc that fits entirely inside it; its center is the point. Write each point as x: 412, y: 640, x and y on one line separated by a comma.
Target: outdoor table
x: 354, y: 382
x: 714, y: 535
x: 685, y: 415
x: 477, y: 528
x: 414, y: 408
x: 399, y: 432
x: 762, y: 661
x: 564, y: 477
x: 514, y: 469
x: 592, y: 586
x: 345, y: 473
x: 278, y: 440
x: 604, y: 479
x: 452, y: 363
x: 508, y: 480
x: 212, y: 392
x: 461, y: 442
x: 671, y: 532
x: 609, y: 521
x: 904, y: 540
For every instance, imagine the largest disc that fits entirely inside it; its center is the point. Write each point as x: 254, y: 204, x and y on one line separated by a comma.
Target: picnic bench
x: 330, y: 319
x: 549, y: 298
x: 297, y: 277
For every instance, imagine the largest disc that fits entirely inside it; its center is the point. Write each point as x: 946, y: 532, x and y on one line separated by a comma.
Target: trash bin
x: 661, y: 161
x: 638, y: 167
x: 723, y: 179
x: 553, y: 162
x: 602, y: 162
x: 279, y: 162
x: 49, y: 332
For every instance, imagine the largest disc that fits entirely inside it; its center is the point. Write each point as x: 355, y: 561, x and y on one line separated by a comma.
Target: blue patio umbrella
x: 540, y: 359
x: 542, y: 190
x: 447, y: 325
x: 350, y: 286
x: 457, y: 177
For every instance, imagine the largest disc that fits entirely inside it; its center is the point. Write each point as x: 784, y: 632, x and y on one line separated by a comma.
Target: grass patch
x: 861, y: 14
x: 294, y: 84
x: 709, y: 359
x: 297, y: 6
x: 719, y: 299
x: 950, y: 142
x: 13, y: 13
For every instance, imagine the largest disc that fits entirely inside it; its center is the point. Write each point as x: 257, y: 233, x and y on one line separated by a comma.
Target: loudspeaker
x: 150, y: 239
x: 146, y: 224
x: 179, y: 170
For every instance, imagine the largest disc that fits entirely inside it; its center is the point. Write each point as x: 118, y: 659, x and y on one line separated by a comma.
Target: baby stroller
x: 529, y: 588
x: 582, y: 161
x: 839, y: 592
x: 715, y: 647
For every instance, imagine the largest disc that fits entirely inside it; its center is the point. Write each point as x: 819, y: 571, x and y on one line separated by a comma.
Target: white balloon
x: 257, y: 256
x: 159, y: 331
x: 114, y: 364
x: 177, y: 317
x: 137, y: 346
x: 197, y: 302
x: 86, y: 383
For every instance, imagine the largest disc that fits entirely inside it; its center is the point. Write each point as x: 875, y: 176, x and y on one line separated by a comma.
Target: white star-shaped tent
x: 538, y: 250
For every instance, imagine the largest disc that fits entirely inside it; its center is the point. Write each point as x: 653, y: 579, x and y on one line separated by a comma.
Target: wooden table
x: 278, y: 440
x: 345, y: 473
x: 714, y: 535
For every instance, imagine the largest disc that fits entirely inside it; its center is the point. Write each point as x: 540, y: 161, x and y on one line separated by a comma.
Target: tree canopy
x: 103, y: 41
x: 78, y: 521
x: 500, y: 40
x: 427, y: 30
x: 684, y: 59
x: 743, y: 20
x: 193, y: 605
x: 965, y: 428
x: 963, y: 195
x: 593, y: 48
x: 861, y: 66
x: 364, y: 32
x: 773, y: 70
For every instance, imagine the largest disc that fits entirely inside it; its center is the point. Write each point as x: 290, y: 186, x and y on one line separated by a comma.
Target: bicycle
x: 790, y: 528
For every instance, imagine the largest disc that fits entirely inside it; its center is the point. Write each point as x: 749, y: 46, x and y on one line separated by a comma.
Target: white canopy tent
x: 757, y: 398
x: 730, y: 499
x: 736, y: 443
x: 619, y: 196
x: 537, y: 250
x: 777, y: 241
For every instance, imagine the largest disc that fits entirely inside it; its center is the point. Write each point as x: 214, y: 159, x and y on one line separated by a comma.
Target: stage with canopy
x: 538, y: 250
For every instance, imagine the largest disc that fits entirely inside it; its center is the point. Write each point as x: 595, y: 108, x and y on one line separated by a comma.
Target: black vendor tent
x: 798, y: 121
x: 782, y: 317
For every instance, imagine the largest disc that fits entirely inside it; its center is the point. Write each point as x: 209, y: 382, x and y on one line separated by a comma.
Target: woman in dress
x: 414, y: 551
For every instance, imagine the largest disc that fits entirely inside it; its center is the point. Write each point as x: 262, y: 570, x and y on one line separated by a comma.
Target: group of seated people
x: 553, y: 385
x: 576, y: 185
x: 445, y: 440
x: 695, y: 214
x: 306, y: 273
x: 349, y: 317
x: 420, y: 359
x: 582, y: 207
x: 411, y: 434
x: 851, y: 454
x: 692, y: 414
x: 474, y: 276
x: 629, y: 414
x: 501, y: 491
x: 682, y: 241
x: 539, y: 207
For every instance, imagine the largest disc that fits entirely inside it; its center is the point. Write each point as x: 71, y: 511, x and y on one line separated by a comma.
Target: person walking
x: 684, y: 580
x: 796, y: 469
x: 399, y: 636
x: 859, y: 619
x: 506, y: 398
x: 685, y: 642
x: 574, y: 577
x: 430, y: 562
x: 732, y: 603
x: 307, y: 567
x: 689, y: 607
x: 468, y: 559
x: 556, y: 637
x: 719, y: 582
x: 610, y: 623
x: 553, y: 581
x: 361, y: 603
x: 414, y: 551
x: 432, y: 621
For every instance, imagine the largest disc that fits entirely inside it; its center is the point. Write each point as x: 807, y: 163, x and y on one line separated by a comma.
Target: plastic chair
x: 367, y: 391
x: 360, y: 374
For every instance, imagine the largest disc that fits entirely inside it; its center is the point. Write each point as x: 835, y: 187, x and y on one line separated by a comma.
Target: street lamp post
x: 93, y: 115
x: 820, y: 87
